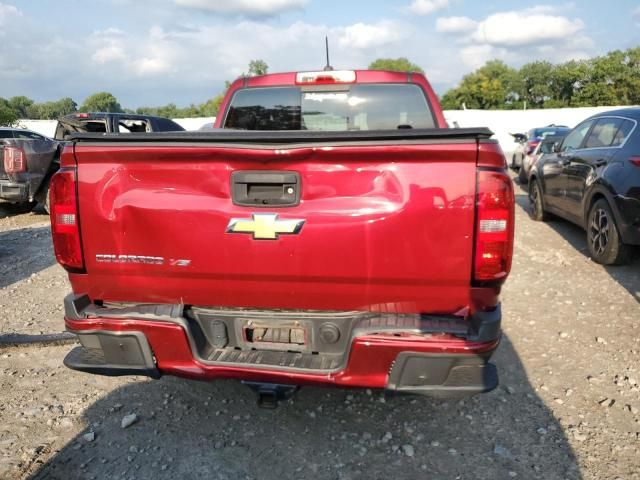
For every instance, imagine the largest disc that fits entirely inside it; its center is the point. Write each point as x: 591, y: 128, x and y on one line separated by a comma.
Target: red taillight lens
x: 64, y: 219
x: 635, y: 161
x: 315, y: 78
x: 494, y: 226
x: 531, y: 146
x: 15, y: 160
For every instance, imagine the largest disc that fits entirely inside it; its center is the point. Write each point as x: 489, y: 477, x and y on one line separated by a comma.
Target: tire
x: 522, y: 176
x: 46, y: 205
x: 603, y: 238
x: 536, y: 202
x: 513, y: 162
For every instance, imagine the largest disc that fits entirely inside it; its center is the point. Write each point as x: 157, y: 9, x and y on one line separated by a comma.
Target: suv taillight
x: 15, y: 160
x: 494, y: 226
x: 64, y: 219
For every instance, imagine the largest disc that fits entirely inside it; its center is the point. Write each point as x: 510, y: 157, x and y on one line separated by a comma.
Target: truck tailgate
x: 383, y: 227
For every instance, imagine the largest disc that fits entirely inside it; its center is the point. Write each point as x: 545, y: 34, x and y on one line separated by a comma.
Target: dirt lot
x: 567, y: 407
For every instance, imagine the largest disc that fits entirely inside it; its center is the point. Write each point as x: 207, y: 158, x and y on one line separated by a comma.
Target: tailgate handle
x: 265, y: 188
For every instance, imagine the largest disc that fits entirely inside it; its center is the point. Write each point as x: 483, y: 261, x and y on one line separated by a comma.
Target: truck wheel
x: 603, y: 239
x: 536, y: 202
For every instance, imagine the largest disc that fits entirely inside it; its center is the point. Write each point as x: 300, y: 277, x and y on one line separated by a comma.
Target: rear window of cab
x: 354, y: 107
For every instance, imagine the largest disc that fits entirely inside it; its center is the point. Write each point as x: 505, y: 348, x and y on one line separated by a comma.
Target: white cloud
x: 519, y: 36
x: 635, y: 14
x: 426, y: 7
x: 114, y: 48
x: 455, y: 25
x: 7, y: 11
x: 475, y: 56
x: 151, y: 66
x: 244, y: 7
x: 511, y: 29
x: 108, y: 54
x: 362, y: 36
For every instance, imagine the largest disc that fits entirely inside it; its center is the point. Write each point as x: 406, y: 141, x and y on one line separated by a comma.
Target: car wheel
x: 46, y: 203
x: 522, y: 176
x: 513, y: 162
x: 603, y: 238
x: 536, y: 202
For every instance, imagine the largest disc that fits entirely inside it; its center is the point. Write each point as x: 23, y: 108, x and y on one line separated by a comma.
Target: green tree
x: 494, y: 85
x: 52, y: 110
x: 101, y: 102
x: 211, y: 107
x: 565, y: 79
x: 21, y: 105
x: 536, y: 80
x: 400, y: 64
x: 258, y: 67
x: 8, y: 115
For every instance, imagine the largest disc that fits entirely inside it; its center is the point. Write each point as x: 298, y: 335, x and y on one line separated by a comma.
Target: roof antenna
x: 328, y: 66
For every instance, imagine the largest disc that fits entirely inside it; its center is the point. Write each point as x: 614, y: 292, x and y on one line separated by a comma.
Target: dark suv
x: 593, y: 180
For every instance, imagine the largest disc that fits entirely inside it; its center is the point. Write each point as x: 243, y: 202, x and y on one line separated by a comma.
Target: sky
x: 153, y: 52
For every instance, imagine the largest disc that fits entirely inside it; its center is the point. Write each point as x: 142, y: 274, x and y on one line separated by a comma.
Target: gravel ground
x: 567, y: 407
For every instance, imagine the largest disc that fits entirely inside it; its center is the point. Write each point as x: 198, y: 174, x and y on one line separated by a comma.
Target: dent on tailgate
x: 385, y: 227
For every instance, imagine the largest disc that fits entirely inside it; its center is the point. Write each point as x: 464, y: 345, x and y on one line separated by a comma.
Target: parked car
x: 112, y: 123
x: 593, y: 180
x: 545, y: 147
x: 29, y: 161
x: 358, y: 242
x: 527, y: 142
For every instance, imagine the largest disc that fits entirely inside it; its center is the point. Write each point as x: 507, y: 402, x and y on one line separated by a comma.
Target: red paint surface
x: 386, y: 227
x: 369, y: 362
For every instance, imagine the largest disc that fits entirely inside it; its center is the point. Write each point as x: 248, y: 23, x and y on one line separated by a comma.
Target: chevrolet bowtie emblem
x: 264, y: 226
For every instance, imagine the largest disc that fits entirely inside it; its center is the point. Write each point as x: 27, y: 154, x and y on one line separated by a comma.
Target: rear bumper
x: 14, y: 192
x: 628, y: 218
x: 406, y: 361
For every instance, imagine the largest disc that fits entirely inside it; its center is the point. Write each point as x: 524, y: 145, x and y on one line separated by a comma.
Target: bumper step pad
x: 309, y: 361
x: 113, y: 354
x: 441, y: 375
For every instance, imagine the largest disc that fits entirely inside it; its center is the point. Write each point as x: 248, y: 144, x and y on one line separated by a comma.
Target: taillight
x: 15, y: 160
x: 531, y: 146
x: 315, y: 78
x: 64, y: 219
x: 635, y: 160
x: 494, y: 226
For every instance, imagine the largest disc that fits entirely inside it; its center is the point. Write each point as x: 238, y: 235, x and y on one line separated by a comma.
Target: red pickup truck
x: 330, y: 231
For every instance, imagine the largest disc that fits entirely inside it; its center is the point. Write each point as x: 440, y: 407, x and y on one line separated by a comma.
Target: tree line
x: 611, y: 79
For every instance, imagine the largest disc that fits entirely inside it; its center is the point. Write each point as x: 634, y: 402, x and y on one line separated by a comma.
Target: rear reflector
x: 15, y: 160
x: 495, y: 221
x: 315, y: 78
x: 64, y: 219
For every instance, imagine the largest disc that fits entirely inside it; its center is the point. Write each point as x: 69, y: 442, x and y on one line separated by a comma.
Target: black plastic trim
x: 286, y: 136
x: 442, y: 375
x: 133, y: 352
x: 74, y: 306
